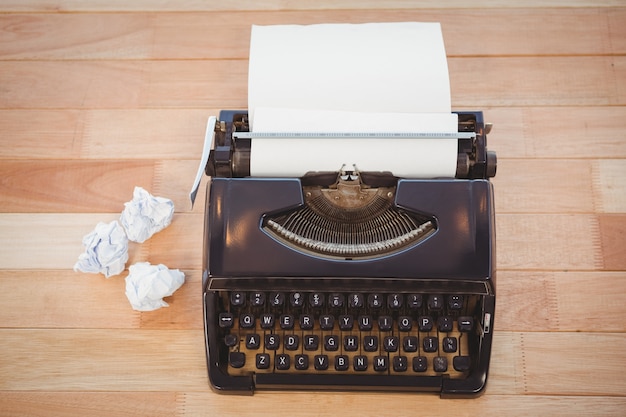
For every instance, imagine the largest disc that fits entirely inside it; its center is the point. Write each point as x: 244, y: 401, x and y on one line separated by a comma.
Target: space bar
x: 347, y: 382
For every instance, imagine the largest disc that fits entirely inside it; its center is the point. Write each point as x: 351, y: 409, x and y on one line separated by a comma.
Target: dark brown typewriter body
x: 360, y: 281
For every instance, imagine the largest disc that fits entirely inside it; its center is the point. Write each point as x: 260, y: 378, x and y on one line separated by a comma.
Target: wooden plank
x: 526, y: 301
x: 519, y: 132
x: 475, y: 82
x: 537, y: 81
x: 184, y: 35
x: 76, y: 186
x: 557, y: 132
x: 560, y: 301
x: 553, y: 365
x: 195, y: 403
x: 277, y: 5
x: 395, y: 404
x: 613, y: 238
x: 33, y: 134
x: 103, y: 134
x: 98, y: 186
x: 525, y: 241
x: 548, y: 242
x: 543, y: 186
x: 145, y: 133
x: 173, y: 360
x: 110, y: 404
x: 102, y: 360
x: 68, y: 299
x: 123, y: 84
x: 54, y: 241
x: 609, y: 186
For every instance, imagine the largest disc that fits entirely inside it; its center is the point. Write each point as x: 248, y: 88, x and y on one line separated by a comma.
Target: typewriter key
x: 262, y: 361
x: 420, y: 364
x: 237, y: 298
x: 440, y: 363
x: 375, y: 300
x: 321, y: 362
x: 277, y: 299
x: 257, y: 299
x: 336, y: 300
x: 400, y: 363
x: 461, y: 363
x: 237, y: 359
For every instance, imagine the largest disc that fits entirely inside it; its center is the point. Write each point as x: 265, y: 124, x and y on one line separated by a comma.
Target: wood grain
x: 278, y: 5
x: 97, y: 97
x: 109, y: 404
x: 196, y: 403
x: 513, y: 81
x: 156, y: 36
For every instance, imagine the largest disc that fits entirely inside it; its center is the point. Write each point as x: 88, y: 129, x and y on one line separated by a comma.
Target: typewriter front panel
x: 461, y: 248
x: 417, y: 319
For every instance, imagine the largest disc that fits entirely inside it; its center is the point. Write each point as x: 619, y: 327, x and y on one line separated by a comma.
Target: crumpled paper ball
x: 106, y: 250
x: 146, y: 215
x: 146, y: 285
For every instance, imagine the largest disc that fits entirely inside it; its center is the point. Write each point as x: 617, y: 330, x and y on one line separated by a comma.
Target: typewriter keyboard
x: 341, y: 332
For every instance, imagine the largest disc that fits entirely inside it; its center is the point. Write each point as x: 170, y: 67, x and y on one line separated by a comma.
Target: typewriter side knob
x: 492, y: 164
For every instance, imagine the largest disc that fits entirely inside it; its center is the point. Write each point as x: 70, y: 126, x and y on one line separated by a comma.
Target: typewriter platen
x: 348, y: 280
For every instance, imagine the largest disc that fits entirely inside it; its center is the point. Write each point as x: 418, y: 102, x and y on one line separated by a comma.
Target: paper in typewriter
x: 350, y: 78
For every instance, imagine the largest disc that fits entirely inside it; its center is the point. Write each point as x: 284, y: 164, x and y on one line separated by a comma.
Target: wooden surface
x: 97, y: 97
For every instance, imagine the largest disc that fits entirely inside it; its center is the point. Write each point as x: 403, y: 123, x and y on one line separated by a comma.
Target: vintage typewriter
x: 348, y: 280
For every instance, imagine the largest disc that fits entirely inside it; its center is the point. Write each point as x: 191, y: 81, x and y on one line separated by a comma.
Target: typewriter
x: 348, y: 280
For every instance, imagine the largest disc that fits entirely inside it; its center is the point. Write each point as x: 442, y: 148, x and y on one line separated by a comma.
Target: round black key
x: 277, y: 299
x: 355, y: 300
x: 331, y: 342
x: 385, y: 323
x: 414, y: 301
x: 272, y: 341
x: 400, y: 363
x: 435, y: 302
x: 292, y: 341
x: 257, y: 299
x: 327, y: 322
x: 262, y: 361
x: 375, y: 300
x: 231, y: 340
x: 296, y: 299
x: 226, y: 320
x: 444, y: 323
x: 253, y: 341
x: 394, y: 301
x: 321, y: 362
x: 336, y: 300
x: 462, y: 363
x: 420, y: 363
x: 237, y: 359
x: 247, y: 321
x: 440, y: 364
x: 465, y: 323
x: 302, y: 362
x: 405, y: 323
x: 316, y: 299
x: 455, y: 302
x: 237, y: 298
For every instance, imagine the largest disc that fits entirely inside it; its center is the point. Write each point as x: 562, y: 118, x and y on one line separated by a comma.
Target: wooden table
x: 98, y: 97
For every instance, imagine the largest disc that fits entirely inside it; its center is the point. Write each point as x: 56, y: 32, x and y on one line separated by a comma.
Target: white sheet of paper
x: 146, y: 285
x: 106, y: 250
x: 373, y: 77
x: 146, y: 215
